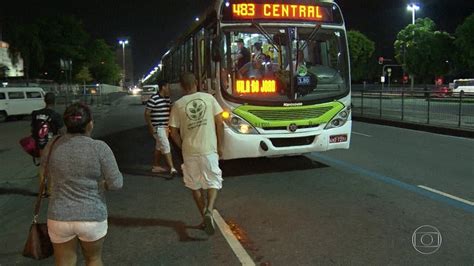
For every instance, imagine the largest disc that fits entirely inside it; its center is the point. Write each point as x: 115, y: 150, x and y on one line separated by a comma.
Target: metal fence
x: 452, y: 110
x: 90, y: 94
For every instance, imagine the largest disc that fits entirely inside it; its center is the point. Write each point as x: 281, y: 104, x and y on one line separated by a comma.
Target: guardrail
x: 452, y: 110
x: 90, y: 94
x: 90, y: 99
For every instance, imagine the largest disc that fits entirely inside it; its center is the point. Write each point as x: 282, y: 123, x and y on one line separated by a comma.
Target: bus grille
x: 288, y: 142
x: 286, y: 128
x: 290, y: 114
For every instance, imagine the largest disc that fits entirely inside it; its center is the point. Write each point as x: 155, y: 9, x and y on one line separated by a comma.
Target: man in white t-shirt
x: 197, y: 128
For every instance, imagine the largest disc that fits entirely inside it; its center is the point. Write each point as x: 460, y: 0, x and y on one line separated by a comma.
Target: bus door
x: 203, y: 70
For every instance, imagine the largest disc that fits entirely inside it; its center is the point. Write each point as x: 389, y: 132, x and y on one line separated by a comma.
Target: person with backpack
x: 46, y: 123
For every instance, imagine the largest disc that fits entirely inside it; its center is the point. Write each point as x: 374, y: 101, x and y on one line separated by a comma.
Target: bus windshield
x: 284, y: 64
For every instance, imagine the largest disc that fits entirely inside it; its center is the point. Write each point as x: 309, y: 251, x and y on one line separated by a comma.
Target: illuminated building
x: 6, y: 64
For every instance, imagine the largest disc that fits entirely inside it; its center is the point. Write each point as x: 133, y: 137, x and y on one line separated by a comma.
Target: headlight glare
x: 239, y: 125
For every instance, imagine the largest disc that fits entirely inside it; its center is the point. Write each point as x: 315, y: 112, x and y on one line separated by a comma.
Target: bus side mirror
x: 216, y: 49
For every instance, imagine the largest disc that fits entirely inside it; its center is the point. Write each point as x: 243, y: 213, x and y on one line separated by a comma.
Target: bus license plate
x: 337, y: 138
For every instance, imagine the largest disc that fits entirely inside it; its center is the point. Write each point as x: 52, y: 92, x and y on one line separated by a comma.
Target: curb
x: 420, y: 127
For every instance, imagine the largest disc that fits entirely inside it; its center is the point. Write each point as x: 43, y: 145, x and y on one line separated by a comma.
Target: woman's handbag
x: 29, y: 146
x: 38, y: 245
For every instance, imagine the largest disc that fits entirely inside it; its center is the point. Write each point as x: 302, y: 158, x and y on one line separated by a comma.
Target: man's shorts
x: 162, y: 141
x: 202, y: 172
x: 63, y: 231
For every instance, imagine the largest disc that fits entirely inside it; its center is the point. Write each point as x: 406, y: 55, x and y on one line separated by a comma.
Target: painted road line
x: 447, y: 195
x: 351, y: 168
x: 234, y: 244
x: 357, y: 133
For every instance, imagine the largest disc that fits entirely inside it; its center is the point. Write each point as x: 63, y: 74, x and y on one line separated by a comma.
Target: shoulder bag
x: 38, y: 245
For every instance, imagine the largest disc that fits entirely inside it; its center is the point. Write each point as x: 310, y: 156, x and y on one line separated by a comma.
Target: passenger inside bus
x: 259, y: 67
x: 298, y: 61
x: 243, y: 54
x: 258, y: 53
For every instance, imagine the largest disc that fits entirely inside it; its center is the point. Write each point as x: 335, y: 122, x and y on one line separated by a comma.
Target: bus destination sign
x: 255, y: 86
x: 274, y: 11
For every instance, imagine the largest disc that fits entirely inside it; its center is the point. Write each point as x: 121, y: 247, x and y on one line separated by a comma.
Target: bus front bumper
x: 273, y: 145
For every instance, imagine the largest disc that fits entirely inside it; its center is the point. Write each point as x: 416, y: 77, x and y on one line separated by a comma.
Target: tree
x: 101, y: 59
x: 465, y: 46
x: 361, y: 50
x: 25, y: 42
x: 84, y: 75
x: 423, y: 51
x: 63, y: 37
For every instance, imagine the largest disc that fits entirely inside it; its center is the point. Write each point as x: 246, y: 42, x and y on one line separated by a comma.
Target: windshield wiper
x: 267, y: 35
x: 310, y: 37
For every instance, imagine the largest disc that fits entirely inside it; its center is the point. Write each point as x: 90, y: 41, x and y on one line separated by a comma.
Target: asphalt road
x: 349, y: 207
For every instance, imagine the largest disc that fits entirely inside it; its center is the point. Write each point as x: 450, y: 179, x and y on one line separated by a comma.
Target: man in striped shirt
x: 157, y: 114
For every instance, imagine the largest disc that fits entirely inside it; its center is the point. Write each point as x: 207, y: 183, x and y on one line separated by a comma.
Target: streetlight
x: 413, y: 8
x: 123, y: 43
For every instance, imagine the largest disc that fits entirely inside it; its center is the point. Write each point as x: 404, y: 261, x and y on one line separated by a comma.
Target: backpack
x: 42, y: 132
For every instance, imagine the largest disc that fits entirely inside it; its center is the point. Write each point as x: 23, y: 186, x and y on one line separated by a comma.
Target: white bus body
x: 295, y: 99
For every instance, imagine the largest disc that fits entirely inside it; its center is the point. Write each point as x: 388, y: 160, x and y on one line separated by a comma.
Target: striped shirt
x: 159, y: 110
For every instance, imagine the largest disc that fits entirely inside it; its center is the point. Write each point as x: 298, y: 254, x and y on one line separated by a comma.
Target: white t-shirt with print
x: 194, y: 115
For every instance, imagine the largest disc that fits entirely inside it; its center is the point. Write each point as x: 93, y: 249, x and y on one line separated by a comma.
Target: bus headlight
x: 340, y: 119
x: 238, y: 124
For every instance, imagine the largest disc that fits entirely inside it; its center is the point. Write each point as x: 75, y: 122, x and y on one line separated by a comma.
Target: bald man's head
x: 188, y: 81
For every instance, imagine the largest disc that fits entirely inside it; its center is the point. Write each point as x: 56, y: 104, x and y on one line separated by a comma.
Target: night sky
x: 152, y: 25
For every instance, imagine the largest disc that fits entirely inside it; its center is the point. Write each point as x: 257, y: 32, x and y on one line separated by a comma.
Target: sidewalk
x: 17, y: 170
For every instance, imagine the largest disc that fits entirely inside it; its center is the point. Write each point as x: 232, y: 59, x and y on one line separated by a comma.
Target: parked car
x: 147, y: 92
x: 20, y: 101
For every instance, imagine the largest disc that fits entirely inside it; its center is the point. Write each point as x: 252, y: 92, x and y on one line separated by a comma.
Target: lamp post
x: 413, y: 8
x: 123, y: 43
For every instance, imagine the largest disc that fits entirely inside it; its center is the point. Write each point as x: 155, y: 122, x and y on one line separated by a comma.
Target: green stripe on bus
x: 308, y: 115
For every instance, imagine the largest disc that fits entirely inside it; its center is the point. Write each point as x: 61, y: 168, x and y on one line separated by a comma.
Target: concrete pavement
x: 16, y: 167
x: 332, y: 208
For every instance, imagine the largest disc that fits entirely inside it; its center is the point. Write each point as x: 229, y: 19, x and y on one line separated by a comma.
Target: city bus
x: 291, y: 95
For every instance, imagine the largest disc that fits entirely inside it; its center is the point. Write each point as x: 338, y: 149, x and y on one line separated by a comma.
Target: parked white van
x: 147, y: 92
x: 20, y: 101
x: 464, y: 85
